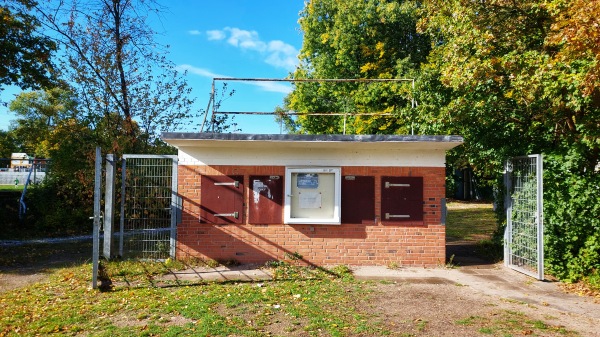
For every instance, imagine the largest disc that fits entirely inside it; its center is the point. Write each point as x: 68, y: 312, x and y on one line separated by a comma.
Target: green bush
x: 572, y: 216
x: 53, y: 213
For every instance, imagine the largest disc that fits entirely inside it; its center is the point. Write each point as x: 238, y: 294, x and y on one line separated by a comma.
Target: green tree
x: 357, y: 40
x: 8, y: 145
x: 575, y: 32
x: 38, y: 113
x: 520, y: 77
x: 25, y: 56
x: 116, y: 67
x: 508, y: 94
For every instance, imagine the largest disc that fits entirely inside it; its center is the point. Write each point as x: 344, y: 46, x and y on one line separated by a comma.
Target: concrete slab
x: 238, y: 273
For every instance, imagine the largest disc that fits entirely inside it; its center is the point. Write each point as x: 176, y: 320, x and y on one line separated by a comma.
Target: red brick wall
x: 408, y: 244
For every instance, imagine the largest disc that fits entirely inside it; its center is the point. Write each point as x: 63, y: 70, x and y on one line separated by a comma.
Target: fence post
x: 109, y: 206
x: 96, y: 217
x: 507, y: 210
x: 175, y: 207
x: 122, y: 219
x: 540, y: 214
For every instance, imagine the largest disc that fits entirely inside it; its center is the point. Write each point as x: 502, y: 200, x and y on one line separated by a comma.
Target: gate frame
x: 175, y: 202
x: 539, y: 217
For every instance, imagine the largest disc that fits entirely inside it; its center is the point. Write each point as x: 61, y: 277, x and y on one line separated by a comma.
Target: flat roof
x: 209, y: 139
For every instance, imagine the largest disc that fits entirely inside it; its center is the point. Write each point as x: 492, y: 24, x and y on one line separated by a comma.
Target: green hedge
x: 571, y: 216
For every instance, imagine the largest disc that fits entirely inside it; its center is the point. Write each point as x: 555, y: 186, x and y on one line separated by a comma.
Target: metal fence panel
x: 524, y: 249
x: 149, y: 206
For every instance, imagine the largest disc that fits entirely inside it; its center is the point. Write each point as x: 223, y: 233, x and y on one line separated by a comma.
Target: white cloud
x: 194, y: 32
x: 245, y: 39
x: 198, y: 71
x: 264, y: 85
x: 282, y: 55
x: 276, y: 53
x: 215, y: 35
x: 273, y: 87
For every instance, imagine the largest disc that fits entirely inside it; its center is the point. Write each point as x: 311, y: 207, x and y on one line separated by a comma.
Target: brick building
x: 333, y: 199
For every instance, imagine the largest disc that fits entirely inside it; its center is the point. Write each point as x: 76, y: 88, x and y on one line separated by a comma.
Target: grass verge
x: 320, y: 305
x: 299, y: 301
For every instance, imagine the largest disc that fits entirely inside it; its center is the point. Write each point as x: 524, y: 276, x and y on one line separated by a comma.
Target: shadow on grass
x: 32, y: 258
x: 134, y: 274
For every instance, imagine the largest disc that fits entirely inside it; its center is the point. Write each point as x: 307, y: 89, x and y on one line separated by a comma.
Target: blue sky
x: 239, y: 38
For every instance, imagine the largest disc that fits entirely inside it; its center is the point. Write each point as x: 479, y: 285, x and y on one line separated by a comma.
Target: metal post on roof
x: 212, y: 117
x: 210, y: 99
x: 216, y: 107
x: 345, y: 114
x: 412, y: 106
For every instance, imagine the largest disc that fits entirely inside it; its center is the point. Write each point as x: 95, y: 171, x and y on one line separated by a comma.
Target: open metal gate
x: 149, y: 206
x: 524, y: 235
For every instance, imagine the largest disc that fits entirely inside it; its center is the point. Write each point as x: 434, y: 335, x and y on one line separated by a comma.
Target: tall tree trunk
x: 120, y: 43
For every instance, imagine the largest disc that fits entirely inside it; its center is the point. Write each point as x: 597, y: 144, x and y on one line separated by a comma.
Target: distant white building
x: 19, y: 161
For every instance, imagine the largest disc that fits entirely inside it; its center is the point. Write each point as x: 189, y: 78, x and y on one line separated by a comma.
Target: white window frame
x: 335, y: 219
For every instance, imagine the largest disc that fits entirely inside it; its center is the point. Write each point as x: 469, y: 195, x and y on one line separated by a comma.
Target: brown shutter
x: 401, y: 199
x: 266, y: 200
x: 358, y: 199
x: 222, y: 199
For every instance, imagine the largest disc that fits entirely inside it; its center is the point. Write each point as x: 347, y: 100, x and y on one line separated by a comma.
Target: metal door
x: 524, y: 235
x: 265, y: 203
x: 149, y: 206
x: 401, y: 199
x: 222, y: 199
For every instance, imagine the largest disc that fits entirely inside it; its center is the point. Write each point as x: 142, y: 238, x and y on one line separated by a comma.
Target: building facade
x: 331, y: 199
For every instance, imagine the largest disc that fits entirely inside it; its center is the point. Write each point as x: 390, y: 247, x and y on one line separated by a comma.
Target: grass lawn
x: 316, y: 303
x: 299, y: 301
x: 11, y: 188
x: 470, y: 221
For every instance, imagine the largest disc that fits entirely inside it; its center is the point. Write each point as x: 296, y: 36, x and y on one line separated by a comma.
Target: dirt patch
x: 10, y: 281
x: 141, y: 321
x: 269, y: 320
x: 422, y: 309
x: 21, y: 265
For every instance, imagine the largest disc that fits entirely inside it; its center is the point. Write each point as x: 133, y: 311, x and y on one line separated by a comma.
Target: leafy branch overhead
x: 115, y: 67
x: 353, y: 40
x: 26, y: 57
x: 512, y: 77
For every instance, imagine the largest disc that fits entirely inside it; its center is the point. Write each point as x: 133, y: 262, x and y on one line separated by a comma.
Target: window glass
x: 312, y: 195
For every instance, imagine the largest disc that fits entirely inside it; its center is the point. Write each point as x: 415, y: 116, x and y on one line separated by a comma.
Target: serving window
x: 358, y: 199
x: 265, y: 200
x: 222, y: 199
x: 312, y: 195
x: 401, y: 199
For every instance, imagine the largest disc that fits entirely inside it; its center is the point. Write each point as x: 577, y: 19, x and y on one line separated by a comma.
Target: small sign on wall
x: 312, y: 195
x: 310, y: 200
x: 307, y: 180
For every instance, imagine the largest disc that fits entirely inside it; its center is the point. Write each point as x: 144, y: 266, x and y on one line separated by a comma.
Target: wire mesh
x: 525, y: 227
x: 147, y: 207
